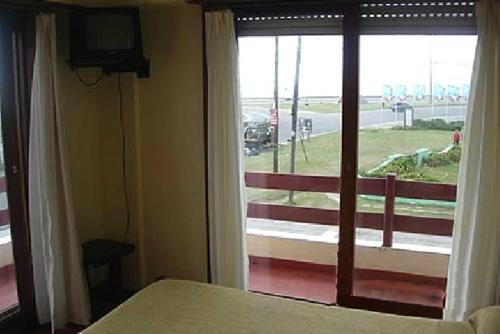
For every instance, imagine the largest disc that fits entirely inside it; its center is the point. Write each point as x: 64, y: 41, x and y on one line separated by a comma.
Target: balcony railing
x: 390, y: 188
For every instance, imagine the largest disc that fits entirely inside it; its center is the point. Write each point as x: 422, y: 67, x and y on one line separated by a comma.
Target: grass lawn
x: 447, y: 174
x: 324, y: 159
x: 331, y: 201
x: 374, y: 146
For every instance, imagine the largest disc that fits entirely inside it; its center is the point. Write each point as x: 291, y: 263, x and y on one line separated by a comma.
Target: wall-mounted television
x: 109, y: 38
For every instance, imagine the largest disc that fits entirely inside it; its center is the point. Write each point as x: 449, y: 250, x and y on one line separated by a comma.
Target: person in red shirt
x: 456, y: 137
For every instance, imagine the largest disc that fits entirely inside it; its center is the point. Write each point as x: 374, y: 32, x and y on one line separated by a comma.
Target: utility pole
x: 295, y: 107
x: 431, y: 61
x: 276, y: 105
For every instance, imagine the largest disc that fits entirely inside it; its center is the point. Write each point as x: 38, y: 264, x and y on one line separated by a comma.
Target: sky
x: 384, y: 60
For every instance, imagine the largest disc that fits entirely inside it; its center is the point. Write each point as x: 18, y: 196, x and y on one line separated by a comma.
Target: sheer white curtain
x: 474, y: 271
x: 225, y: 151
x: 60, y: 289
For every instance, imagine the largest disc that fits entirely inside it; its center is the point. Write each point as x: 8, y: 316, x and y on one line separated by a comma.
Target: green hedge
x: 435, y: 124
x: 406, y: 167
x: 445, y: 158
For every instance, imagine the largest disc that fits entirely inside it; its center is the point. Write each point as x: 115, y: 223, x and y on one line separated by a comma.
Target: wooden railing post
x: 390, y: 198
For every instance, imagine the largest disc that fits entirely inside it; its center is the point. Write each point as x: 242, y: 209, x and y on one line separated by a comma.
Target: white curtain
x: 474, y: 271
x: 60, y: 289
x: 227, y: 206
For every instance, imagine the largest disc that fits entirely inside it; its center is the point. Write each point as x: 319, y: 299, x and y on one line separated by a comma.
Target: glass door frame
x: 17, y: 50
x: 352, y: 29
x: 351, y: 32
x: 349, y: 178
x: 349, y: 90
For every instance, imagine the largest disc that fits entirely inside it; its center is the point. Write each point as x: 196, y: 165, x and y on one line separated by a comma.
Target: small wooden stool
x: 100, y: 252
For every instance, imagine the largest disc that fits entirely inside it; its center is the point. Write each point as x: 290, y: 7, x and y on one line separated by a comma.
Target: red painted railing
x: 4, y: 214
x: 388, y: 222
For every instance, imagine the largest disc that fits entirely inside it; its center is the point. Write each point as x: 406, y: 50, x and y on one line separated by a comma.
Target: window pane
x: 413, y: 104
x: 8, y: 286
x: 292, y: 243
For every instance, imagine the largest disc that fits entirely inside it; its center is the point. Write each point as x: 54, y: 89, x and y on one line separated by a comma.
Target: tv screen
x: 110, y: 31
x: 107, y: 37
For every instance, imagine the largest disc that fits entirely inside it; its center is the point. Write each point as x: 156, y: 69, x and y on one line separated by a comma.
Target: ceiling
x: 118, y: 2
x: 145, y: 2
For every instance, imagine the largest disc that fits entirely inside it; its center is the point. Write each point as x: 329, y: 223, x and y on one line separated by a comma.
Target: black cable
x: 91, y: 83
x: 124, y: 159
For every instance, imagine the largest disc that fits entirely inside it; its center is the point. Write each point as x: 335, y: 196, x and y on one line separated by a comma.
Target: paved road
x: 330, y: 122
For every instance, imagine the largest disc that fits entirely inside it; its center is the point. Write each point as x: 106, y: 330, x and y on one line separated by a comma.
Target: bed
x: 173, y: 306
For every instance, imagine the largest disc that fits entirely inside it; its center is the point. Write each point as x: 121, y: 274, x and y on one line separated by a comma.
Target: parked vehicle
x: 401, y: 107
x: 256, y: 136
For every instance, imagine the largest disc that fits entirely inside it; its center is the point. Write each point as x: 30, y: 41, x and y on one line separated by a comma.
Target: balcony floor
x: 318, y: 283
x: 305, y: 281
x: 8, y: 289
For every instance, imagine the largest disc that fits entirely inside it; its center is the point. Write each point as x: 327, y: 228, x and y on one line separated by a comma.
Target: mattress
x: 186, y: 307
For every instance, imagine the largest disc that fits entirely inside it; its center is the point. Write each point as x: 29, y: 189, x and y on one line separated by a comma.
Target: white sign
x: 408, y: 117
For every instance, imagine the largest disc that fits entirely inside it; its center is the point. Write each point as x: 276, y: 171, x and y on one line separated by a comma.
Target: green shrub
x: 436, y: 124
x: 400, y: 166
x: 444, y: 159
x: 406, y: 167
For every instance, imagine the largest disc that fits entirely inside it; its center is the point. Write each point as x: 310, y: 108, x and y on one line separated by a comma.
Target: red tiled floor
x: 8, y: 289
x: 428, y: 294
x: 306, y: 283
x: 318, y: 283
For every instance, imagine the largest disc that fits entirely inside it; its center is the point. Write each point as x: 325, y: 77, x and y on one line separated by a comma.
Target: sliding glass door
x: 413, y: 103
x: 352, y: 146
x: 291, y: 88
x: 291, y: 83
x: 8, y: 286
x: 411, y: 78
x: 16, y: 60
